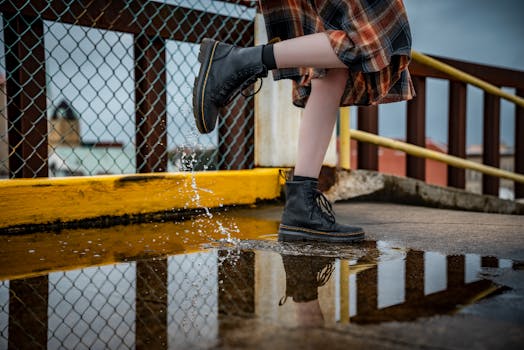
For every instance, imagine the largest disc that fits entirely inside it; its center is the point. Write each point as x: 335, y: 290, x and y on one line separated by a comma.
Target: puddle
x: 181, y: 285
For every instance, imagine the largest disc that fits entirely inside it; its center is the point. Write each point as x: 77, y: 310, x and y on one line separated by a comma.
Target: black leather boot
x: 304, y: 275
x: 308, y: 216
x: 225, y: 71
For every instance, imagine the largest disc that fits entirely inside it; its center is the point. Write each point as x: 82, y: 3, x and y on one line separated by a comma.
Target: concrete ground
x: 493, y: 323
x: 445, y: 231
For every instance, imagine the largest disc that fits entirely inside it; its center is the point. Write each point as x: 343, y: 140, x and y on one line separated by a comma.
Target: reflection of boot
x: 304, y: 274
x: 225, y: 70
x: 308, y: 216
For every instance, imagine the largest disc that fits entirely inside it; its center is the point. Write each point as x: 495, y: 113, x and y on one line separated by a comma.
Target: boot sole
x: 297, y: 234
x: 205, y: 57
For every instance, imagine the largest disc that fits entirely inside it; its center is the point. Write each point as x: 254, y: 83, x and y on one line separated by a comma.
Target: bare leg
x: 309, y: 314
x: 312, y: 50
x: 320, y: 114
x: 306, y: 215
x: 318, y: 121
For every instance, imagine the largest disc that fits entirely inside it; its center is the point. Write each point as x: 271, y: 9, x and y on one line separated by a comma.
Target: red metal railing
x: 416, y: 123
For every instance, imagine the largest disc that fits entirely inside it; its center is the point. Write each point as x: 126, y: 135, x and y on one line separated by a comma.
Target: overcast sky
x: 483, y: 31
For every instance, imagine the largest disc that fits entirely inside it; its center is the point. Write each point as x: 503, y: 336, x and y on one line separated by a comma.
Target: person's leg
x: 307, y: 215
x: 313, y: 50
x: 318, y: 121
x: 226, y: 69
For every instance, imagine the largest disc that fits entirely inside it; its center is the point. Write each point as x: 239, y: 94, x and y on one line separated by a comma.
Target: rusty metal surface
x: 150, y: 101
x: 26, y: 96
x: 135, y: 17
x: 416, y: 129
x: 491, y: 142
x: 367, y: 157
x: 519, y: 145
x: 457, y: 131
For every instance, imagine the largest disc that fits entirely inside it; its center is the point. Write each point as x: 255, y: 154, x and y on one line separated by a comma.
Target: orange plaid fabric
x: 372, y: 37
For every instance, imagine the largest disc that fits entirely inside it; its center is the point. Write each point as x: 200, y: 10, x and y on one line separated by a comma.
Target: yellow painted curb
x: 41, y: 201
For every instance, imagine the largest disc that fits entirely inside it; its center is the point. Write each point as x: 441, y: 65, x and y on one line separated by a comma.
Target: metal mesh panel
x: 92, y: 308
x: 204, y: 300
x: 105, y: 87
x: 4, y: 313
x: 193, y: 300
x: 165, y: 302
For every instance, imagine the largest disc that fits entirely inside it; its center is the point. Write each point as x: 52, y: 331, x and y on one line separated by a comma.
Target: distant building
x: 64, y: 127
x: 507, y: 162
x: 69, y: 155
x: 393, y: 162
x: 87, y: 160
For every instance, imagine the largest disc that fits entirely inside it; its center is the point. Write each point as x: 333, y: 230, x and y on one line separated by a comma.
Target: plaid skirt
x: 372, y: 37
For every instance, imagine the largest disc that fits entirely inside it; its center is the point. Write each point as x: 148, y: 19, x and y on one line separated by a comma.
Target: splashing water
x: 189, y: 162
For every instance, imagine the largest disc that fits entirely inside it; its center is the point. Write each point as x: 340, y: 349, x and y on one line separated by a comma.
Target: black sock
x: 268, y: 57
x: 303, y: 178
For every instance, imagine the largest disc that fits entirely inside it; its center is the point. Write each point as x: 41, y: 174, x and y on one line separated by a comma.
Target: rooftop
x: 424, y: 277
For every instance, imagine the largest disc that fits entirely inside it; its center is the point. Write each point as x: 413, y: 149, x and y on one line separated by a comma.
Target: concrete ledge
x: 61, y: 200
x: 374, y: 186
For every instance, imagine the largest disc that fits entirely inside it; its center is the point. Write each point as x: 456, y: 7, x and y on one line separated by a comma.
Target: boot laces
x: 232, y: 85
x: 247, y: 84
x: 324, y: 275
x: 325, y: 206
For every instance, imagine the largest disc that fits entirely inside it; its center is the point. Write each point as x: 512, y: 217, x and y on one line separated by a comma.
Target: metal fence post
x: 414, y: 276
x: 416, y: 129
x: 151, y: 304
x: 344, y: 154
x: 150, y: 101
x: 26, y: 95
x: 367, y: 153
x: 519, y: 145
x: 457, y: 131
x: 491, y: 142
x: 456, y: 265
x: 28, y: 303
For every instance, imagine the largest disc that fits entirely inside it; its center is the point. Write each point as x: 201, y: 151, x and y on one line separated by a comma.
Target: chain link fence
x: 167, y: 302
x: 104, y: 87
x: 203, y: 299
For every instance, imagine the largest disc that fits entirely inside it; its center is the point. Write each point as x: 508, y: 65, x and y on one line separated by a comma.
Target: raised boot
x: 308, y: 216
x: 225, y: 71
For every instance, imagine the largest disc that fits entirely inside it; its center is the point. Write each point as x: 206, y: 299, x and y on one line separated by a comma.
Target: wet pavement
x: 424, y: 278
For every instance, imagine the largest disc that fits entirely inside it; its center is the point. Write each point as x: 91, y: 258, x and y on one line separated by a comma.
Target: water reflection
x: 304, y: 275
x: 198, y: 299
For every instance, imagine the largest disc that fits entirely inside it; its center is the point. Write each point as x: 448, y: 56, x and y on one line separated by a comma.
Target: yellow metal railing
x: 346, y: 133
x: 344, y: 145
x: 466, y: 78
x: 429, y: 154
